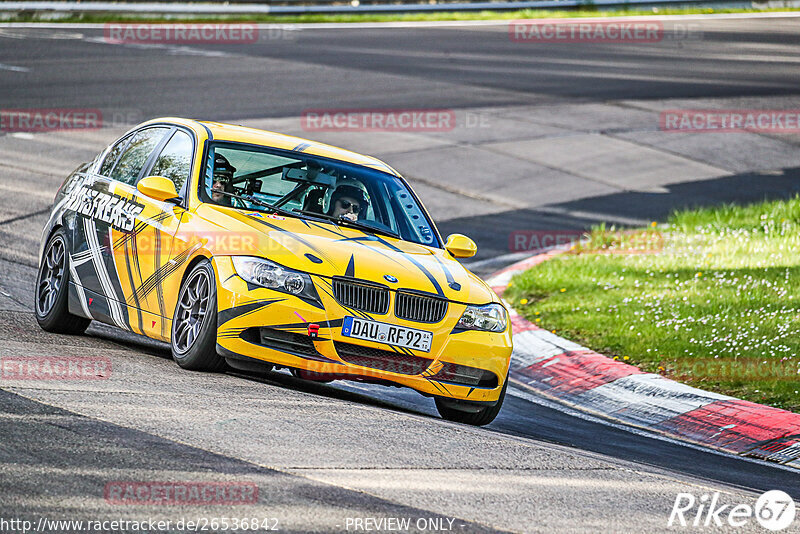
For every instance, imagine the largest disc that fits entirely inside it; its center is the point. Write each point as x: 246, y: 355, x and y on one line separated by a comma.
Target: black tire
x: 259, y: 369
x: 448, y: 409
x: 311, y: 376
x: 194, y: 325
x: 51, y: 293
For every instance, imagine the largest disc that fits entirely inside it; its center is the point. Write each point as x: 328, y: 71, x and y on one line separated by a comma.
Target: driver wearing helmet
x: 348, y: 201
x: 223, y: 180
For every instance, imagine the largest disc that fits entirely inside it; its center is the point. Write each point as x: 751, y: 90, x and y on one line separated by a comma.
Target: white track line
x: 429, y: 24
x: 14, y: 68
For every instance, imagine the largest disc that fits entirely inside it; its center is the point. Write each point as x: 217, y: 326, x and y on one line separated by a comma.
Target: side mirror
x: 460, y: 246
x: 157, y: 187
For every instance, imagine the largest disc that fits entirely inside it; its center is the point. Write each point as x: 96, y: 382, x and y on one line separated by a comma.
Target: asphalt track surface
x: 289, y: 71
x: 322, y: 453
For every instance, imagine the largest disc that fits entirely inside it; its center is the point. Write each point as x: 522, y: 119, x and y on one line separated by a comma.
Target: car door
x: 149, y: 274
x: 110, y: 213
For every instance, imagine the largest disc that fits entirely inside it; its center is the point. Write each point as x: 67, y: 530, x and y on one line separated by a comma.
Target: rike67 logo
x: 774, y: 510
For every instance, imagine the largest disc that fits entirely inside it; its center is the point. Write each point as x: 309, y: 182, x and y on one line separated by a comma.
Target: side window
x: 112, y: 156
x: 175, y: 160
x: 136, y: 153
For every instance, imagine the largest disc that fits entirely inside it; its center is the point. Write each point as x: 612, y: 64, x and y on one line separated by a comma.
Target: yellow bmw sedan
x: 256, y: 250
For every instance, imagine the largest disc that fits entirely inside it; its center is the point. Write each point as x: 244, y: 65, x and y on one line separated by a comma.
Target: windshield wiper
x: 347, y: 222
x: 368, y: 228
x: 271, y: 208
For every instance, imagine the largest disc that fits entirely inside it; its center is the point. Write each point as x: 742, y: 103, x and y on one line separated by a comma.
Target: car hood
x: 330, y: 250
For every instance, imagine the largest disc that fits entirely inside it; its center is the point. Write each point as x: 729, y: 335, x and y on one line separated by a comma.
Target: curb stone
x: 583, y: 379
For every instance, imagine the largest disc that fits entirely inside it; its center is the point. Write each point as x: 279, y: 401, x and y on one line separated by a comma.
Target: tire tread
x: 481, y: 418
x: 59, y: 320
x: 202, y: 355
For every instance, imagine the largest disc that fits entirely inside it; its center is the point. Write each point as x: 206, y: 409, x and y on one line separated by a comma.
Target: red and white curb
x: 583, y: 379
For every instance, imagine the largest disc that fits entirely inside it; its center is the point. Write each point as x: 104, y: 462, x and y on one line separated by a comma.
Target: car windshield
x: 255, y: 178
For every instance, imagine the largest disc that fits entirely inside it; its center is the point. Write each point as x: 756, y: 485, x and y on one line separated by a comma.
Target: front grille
x: 384, y: 360
x: 468, y: 376
x: 361, y: 295
x: 280, y: 340
x: 419, y: 308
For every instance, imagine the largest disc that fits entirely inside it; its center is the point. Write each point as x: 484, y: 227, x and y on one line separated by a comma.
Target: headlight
x: 491, y: 317
x: 269, y: 274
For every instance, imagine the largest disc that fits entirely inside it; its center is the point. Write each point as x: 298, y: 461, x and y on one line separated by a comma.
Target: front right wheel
x: 470, y: 414
x: 194, y: 325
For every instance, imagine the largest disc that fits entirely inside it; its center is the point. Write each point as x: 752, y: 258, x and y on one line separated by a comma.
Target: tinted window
x: 175, y: 160
x: 333, y: 189
x: 248, y: 163
x: 136, y: 153
x: 112, y: 156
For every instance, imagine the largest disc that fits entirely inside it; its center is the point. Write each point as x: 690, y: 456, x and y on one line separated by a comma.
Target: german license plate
x: 390, y: 334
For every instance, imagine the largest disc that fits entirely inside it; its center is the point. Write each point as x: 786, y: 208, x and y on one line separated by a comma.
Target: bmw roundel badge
x: 390, y: 278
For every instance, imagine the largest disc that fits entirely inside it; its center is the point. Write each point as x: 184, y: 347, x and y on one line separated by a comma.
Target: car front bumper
x: 260, y: 324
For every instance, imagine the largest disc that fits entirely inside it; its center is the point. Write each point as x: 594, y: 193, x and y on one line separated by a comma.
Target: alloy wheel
x: 51, y: 276
x: 192, y: 309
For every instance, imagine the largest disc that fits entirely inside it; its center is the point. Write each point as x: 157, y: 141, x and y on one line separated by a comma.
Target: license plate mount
x: 389, y: 334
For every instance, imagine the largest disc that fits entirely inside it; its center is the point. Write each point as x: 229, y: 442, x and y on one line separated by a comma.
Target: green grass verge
x: 390, y: 17
x: 718, y: 307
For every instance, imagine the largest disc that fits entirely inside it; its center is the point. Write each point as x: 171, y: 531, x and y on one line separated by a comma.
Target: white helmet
x: 346, y: 187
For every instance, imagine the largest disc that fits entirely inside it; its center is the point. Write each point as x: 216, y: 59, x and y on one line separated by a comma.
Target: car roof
x: 243, y: 134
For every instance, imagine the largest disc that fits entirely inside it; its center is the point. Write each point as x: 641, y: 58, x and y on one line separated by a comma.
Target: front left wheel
x: 194, y: 325
x: 470, y: 414
x: 52, y: 288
